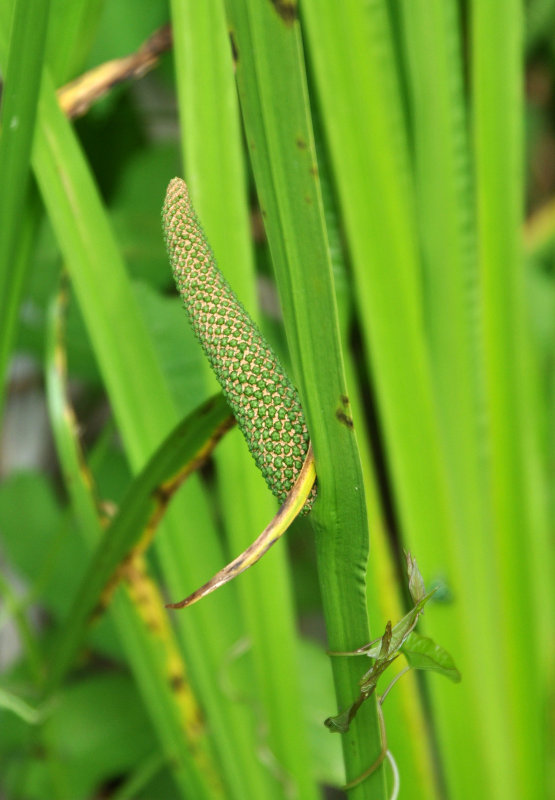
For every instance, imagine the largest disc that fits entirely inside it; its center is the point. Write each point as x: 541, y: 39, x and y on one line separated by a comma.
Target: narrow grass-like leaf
x: 72, y: 29
x: 353, y: 56
x: 517, y: 525
x: 408, y: 733
x: 272, y: 85
x: 215, y: 172
x: 21, y: 82
x: 126, y: 357
x: 62, y: 174
x: 443, y: 186
x: 148, y: 640
x: 353, y: 61
x: 444, y: 183
x: 145, y: 502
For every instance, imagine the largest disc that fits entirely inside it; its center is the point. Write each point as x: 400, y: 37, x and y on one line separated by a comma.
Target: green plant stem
x: 22, y: 73
x: 215, y: 172
x: 514, y: 480
x: 270, y: 65
x: 408, y: 728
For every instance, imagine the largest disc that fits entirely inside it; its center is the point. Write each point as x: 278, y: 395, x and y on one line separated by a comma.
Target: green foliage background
x: 369, y: 175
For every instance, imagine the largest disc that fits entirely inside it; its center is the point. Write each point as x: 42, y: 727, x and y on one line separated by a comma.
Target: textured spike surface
x: 265, y: 403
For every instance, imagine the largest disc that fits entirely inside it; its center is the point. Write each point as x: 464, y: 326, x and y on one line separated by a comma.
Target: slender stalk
x: 215, y: 171
x: 270, y: 65
x: 516, y: 504
x: 22, y: 70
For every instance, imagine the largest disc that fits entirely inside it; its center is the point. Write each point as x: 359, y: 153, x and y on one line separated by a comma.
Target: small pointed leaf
x: 386, y: 641
x: 416, y: 582
x: 401, y: 630
x: 423, y: 653
x: 339, y: 723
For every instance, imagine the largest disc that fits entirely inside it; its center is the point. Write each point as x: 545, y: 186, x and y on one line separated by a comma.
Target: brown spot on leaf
x: 287, y: 10
x: 207, y: 407
x: 176, y: 682
x: 160, y: 495
x: 234, y: 48
x: 343, y: 418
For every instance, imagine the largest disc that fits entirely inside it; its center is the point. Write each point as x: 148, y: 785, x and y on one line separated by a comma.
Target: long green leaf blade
x: 270, y: 66
x: 182, y: 451
x: 21, y: 76
x: 215, y: 172
x: 159, y: 671
x: 516, y: 519
x: 130, y: 369
x: 357, y: 78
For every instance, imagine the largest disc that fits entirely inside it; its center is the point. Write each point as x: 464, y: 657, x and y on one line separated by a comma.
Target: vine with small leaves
x: 421, y: 652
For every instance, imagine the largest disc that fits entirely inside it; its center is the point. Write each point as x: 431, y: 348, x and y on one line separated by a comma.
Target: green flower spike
x: 265, y: 403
